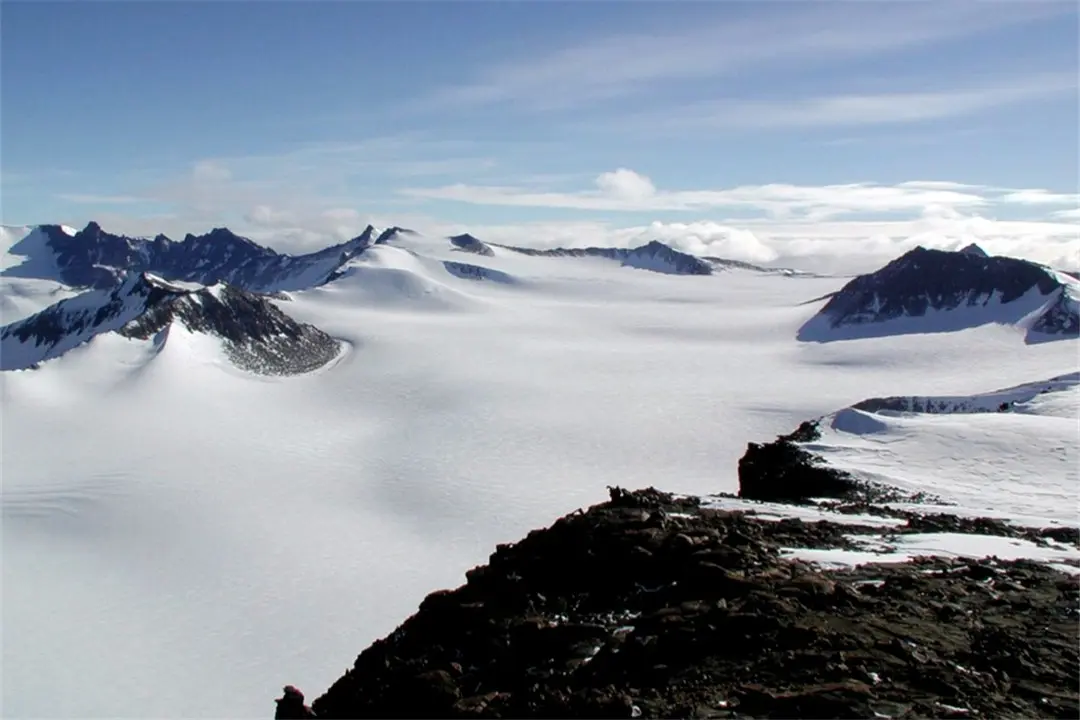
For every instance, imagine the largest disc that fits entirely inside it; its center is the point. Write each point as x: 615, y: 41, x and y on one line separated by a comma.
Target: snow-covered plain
x: 180, y: 539
x: 1022, y: 464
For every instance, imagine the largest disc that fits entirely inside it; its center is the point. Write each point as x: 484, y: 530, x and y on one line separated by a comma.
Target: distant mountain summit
x: 927, y: 291
x: 468, y: 243
x: 256, y: 335
x: 94, y: 258
x: 655, y: 256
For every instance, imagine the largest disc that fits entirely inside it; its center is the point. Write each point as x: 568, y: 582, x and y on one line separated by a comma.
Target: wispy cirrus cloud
x: 805, y: 34
x: 893, y: 108
x: 624, y: 190
x: 307, y: 193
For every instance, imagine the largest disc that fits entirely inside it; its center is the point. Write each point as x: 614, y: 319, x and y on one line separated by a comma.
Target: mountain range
x: 927, y: 290
x: 225, y: 280
x: 229, y: 469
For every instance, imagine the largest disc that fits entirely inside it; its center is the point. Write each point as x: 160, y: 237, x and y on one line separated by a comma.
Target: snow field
x: 171, y: 523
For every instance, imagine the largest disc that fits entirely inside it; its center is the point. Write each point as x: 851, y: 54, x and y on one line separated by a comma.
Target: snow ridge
x: 98, y: 259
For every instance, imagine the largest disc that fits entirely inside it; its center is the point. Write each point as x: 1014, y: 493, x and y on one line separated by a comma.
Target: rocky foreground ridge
x: 655, y: 605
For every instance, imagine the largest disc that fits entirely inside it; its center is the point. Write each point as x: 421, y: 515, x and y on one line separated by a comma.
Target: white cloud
x: 625, y: 184
x: 627, y: 191
x: 840, y: 246
x: 940, y: 185
x: 1041, y: 197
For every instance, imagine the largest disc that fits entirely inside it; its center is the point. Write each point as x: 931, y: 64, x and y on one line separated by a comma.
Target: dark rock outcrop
x: 476, y: 272
x: 98, y: 259
x: 468, y: 243
x: 650, y: 605
x: 968, y: 286
x: 655, y: 256
x: 71, y: 322
x: 257, y: 336
x: 290, y: 706
x: 781, y: 471
x: 389, y: 234
x: 1061, y: 319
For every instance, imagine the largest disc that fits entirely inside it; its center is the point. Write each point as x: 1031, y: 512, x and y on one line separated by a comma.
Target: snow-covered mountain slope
x: 932, y: 291
x: 94, y: 258
x: 255, y: 334
x: 174, y: 523
x: 1010, y: 453
x: 23, y: 296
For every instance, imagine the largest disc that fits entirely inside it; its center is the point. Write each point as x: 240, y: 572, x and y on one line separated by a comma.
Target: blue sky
x: 763, y: 127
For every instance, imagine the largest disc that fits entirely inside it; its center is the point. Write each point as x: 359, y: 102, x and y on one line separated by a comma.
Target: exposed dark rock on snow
x: 98, y: 259
x: 655, y: 256
x: 720, y: 263
x: 389, y: 234
x: 991, y: 402
x: 782, y: 471
x: 651, y: 606
x: 1059, y: 320
x: 476, y: 272
x: 257, y: 335
x: 467, y: 243
x: 659, y: 257
x: 958, y: 289
x: 71, y: 322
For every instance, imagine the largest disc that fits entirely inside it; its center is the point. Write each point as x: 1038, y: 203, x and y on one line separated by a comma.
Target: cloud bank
x: 845, y: 228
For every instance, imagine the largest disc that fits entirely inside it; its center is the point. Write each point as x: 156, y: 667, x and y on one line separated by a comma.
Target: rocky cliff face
x: 651, y: 605
x: 256, y: 335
